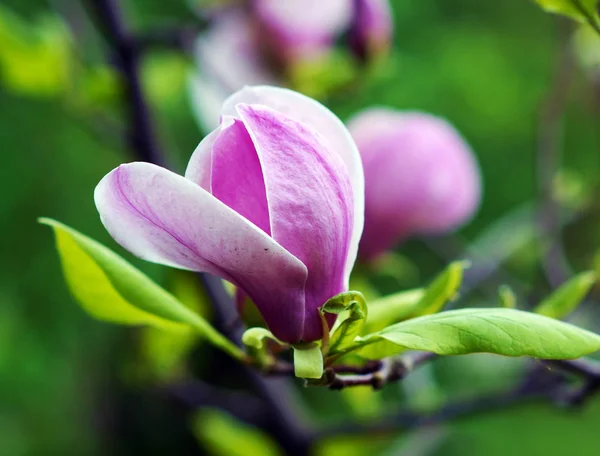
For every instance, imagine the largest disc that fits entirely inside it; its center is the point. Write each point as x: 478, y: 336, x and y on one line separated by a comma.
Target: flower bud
x: 420, y: 177
x: 301, y: 29
x: 271, y: 201
x: 372, y: 28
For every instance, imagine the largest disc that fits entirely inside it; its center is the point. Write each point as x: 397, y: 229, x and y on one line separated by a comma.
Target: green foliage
x: 164, y: 352
x: 507, y: 332
x: 507, y: 297
x: 352, y: 445
x: 165, y: 76
x: 352, y: 304
x: 36, y: 58
x: 111, y: 289
x: 395, y: 266
x: 223, y: 435
x: 318, y: 77
x: 581, y: 10
x: 568, y: 296
x: 409, y: 304
x: 254, y: 340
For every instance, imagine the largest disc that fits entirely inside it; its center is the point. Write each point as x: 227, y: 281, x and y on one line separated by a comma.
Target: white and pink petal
x: 331, y: 131
x: 165, y: 218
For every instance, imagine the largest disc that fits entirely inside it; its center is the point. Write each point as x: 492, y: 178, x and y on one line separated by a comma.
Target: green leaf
x: 581, y: 10
x: 111, y: 289
x: 506, y: 332
x: 508, y: 300
x: 395, y: 266
x: 567, y: 297
x: 223, y: 435
x: 36, y: 58
x: 308, y: 361
x: 254, y: 339
x: 353, y: 305
x: 409, y: 304
x: 391, y: 309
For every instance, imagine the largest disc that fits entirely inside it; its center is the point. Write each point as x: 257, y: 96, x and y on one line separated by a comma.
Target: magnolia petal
x: 332, y: 132
x: 237, y: 178
x: 199, y: 167
x: 310, y: 202
x: 207, y: 97
x: 165, y: 218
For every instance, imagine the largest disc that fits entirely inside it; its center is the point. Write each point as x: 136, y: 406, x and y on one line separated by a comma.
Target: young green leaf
x: 308, y: 361
x: 391, y: 309
x: 353, y: 305
x: 111, y: 289
x: 409, y: 304
x: 507, y: 332
x: 254, y: 340
x: 567, y: 297
x: 581, y: 10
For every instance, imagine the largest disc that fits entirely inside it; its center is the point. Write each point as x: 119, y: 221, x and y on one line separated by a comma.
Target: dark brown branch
x: 587, y: 370
x: 126, y: 56
x: 390, y: 370
x: 179, y: 38
x: 539, y: 385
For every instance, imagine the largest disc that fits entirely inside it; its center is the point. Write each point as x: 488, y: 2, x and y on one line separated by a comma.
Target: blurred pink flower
x: 272, y: 201
x: 372, y: 28
x: 301, y: 29
x: 420, y: 177
x: 229, y: 58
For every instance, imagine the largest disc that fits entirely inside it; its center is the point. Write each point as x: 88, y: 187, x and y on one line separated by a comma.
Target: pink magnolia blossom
x: 272, y: 201
x: 302, y: 29
x: 372, y: 27
x: 420, y: 177
x: 229, y: 58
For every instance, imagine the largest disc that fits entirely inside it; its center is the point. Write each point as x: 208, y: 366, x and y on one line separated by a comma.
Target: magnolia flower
x: 229, y: 58
x: 302, y: 29
x: 420, y: 177
x: 272, y: 201
x: 372, y: 28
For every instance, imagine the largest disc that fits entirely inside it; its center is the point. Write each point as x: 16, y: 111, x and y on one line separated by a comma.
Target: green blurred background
x: 486, y: 66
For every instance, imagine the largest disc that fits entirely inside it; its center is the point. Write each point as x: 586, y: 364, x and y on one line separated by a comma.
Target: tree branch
x: 390, y: 370
x: 126, y: 55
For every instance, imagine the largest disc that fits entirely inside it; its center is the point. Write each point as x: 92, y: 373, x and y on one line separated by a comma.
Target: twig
x: 534, y: 388
x: 588, y: 370
x: 391, y: 370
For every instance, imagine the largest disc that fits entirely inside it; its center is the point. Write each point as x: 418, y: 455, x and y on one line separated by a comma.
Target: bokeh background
x: 72, y: 385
